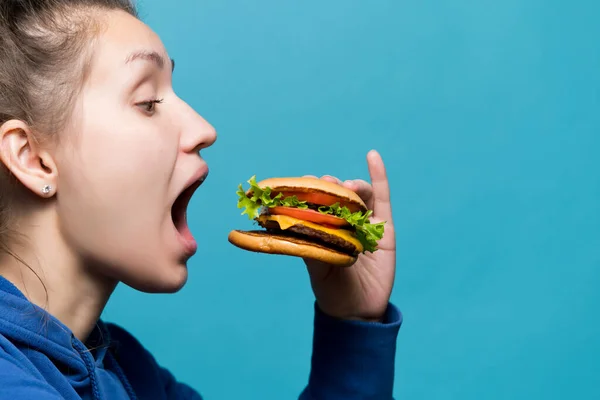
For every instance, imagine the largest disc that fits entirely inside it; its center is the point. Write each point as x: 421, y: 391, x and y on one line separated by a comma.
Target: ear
x: 24, y: 158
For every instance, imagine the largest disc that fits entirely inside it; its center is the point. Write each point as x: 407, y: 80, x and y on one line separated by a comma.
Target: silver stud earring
x: 46, y: 189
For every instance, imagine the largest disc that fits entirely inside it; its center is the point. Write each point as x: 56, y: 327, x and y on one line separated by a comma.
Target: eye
x: 149, y: 106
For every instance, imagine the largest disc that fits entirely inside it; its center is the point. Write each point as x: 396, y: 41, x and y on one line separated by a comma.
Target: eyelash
x: 150, y: 104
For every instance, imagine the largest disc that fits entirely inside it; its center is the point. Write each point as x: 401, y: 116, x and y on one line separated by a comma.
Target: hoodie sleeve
x: 353, y: 360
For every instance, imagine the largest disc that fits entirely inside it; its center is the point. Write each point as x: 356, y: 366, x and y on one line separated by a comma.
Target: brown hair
x: 45, y: 47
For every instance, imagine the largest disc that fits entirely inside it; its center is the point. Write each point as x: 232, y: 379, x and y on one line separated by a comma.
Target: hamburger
x: 306, y: 217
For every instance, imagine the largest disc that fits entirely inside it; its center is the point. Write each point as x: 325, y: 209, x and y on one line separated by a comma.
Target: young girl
x: 95, y: 148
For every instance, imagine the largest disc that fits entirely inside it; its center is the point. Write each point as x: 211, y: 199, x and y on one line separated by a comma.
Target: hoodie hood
x: 30, y: 331
x: 26, y: 324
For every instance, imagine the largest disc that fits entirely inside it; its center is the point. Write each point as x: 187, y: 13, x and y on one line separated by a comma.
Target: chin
x: 169, y: 280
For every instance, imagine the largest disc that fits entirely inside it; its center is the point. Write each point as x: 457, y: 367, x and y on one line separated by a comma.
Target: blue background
x: 487, y: 115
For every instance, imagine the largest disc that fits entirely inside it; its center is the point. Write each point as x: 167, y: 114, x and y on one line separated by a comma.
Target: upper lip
x: 196, y: 179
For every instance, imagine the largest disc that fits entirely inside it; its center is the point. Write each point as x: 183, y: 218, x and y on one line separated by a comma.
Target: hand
x: 363, y: 290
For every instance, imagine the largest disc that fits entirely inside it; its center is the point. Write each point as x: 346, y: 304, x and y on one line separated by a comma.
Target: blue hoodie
x: 41, y: 359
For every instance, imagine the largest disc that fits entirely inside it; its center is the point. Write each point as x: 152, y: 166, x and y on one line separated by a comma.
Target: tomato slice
x: 321, y: 199
x: 311, y: 216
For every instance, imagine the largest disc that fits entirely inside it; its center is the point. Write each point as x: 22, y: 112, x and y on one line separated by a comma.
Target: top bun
x: 308, y: 185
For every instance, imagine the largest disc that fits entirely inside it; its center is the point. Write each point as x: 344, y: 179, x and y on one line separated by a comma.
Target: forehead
x: 123, y: 38
x: 125, y: 29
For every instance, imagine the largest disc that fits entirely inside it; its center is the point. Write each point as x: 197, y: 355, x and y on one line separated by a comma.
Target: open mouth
x: 179, y: 211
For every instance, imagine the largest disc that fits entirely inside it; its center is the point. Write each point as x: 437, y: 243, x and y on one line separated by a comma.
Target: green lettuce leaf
x: 366, y: 232
x: 262, y: 198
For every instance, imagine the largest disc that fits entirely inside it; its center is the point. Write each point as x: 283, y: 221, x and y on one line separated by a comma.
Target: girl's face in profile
x: 129, y: 152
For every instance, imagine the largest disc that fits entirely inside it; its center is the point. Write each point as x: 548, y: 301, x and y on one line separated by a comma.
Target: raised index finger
x: 382, y: 207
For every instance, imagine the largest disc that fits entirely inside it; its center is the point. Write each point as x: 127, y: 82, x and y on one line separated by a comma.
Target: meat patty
x: 331, y: 241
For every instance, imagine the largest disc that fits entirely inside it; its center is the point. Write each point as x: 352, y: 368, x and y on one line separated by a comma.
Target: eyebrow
x: 151, y: 56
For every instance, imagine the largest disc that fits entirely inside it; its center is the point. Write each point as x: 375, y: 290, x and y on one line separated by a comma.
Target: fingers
x: 375, y: 195
x: 382, y: 207
x: 363, y: 189
x: 331, y: 179
x: 353, y: 185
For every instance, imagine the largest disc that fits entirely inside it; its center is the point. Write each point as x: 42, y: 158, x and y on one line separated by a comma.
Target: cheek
x: 114, y: 190
x: 127, y: 155
x: 118, y: 148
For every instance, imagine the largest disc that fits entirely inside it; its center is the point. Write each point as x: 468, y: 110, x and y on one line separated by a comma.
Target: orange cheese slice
x: 285, y: 222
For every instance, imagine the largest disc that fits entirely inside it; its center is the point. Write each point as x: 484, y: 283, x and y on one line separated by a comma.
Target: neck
x: 52, y: 277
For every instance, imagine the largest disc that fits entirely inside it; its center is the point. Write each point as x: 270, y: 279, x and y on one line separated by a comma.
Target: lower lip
x: 186, y: 238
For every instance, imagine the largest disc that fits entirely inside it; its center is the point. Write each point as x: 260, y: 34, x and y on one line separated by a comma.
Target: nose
x: 197, y: 133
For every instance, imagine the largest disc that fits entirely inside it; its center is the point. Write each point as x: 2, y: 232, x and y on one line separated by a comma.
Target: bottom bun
x: 274, y: 243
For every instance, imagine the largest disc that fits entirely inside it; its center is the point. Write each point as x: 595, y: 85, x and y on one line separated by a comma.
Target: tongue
x: 185, y: 231
x: 179, y: 214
